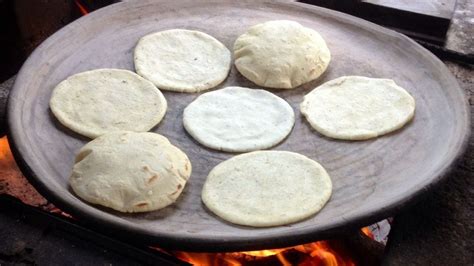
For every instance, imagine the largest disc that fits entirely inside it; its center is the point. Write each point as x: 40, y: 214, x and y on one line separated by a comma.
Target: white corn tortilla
x: 281, y: 54
x: 237, y: 119
x: 182, y: 60
x: 130, y: 172
x: 99, y: 101
x: 358, y: 108
x: 267, y: 188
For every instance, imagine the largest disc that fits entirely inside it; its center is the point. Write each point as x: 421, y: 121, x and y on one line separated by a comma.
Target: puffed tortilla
x: 182, y: 60
x: 281, y: 54
x: 266, y: 188
x: 358, y: 108
x: 130, y: 172
x: 237, y: 119
x: 100, y: 101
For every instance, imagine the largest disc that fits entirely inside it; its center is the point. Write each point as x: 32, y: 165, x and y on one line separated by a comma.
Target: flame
x: 264, y: 253
x: 322, y: 253
x: 204, y: 259
x: 367, y: 232
x: 313, y: 254
x: 81, y: 7
x: 6, y: 157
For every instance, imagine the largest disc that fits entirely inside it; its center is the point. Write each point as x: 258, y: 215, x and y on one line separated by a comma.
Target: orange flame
x: 367, y: 232
x: 264, y: 253
x: 6, y: 157
x: 313, y: 254
x: 81, y: 7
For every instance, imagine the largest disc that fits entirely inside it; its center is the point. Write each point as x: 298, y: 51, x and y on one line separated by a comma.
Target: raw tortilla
x: 99, y: 101
x: 281, y: 54
x: 130, y: 172
x: 358, y: 108
x: 267, y: 188
x: 237, y: 119
x: 182, y: 60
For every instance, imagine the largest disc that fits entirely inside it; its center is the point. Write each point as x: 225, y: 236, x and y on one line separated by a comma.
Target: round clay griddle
x: 372, y: 179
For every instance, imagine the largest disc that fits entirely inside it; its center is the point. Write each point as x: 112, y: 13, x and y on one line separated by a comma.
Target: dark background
x: 24, y: 24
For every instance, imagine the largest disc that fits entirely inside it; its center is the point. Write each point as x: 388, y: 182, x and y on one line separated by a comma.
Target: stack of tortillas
x: 130, y: 170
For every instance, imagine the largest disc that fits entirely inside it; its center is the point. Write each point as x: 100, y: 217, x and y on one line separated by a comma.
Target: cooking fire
x: 324, y: 253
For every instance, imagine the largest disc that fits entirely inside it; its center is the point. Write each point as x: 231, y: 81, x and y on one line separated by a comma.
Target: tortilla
x: 267, y: 188
x: 182, y: 60
x: 237, y: 119
x: 281, y: 54
x: 99, y: 101
x: 130, y: 172
x: 358, y: 108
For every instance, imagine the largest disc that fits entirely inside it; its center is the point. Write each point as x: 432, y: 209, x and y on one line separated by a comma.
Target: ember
x: 13, y: 182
